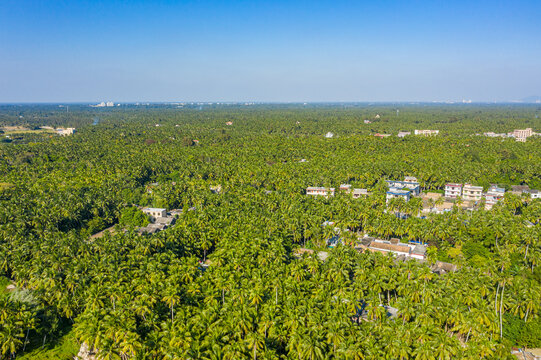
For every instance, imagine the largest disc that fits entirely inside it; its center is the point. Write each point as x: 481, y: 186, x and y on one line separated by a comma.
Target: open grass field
x: 14, y: 130
x: 63, y: 348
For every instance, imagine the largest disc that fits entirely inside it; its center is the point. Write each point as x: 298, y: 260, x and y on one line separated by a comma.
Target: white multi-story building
x: 402, y: 134
x: 394, y: 193
x: 426, y: 132
x: 357, y: 193
x: 453, y: 190
x: 493, y: 195
x: 65, y: 131
x: 472, y: 192
x: 524, y: 133
x: 313, y: 190
x: 413, y: 186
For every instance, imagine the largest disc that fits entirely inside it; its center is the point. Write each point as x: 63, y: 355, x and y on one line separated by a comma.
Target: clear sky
x: 380, y: 50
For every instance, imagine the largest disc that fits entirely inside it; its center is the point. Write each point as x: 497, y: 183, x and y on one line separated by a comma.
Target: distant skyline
x: 279, y: 51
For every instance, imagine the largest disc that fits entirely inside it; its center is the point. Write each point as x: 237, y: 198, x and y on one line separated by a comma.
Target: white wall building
x: 154, y: 213
x: 313, y: 190
x: 453, y: 190
x: 524, y: 133
x: 472, y: 193
x: 413, y: 186
x: 65, y: 131
x: 426, y: 132
x: 357, y: 193
x: 394, y: 193
x: 493, y: 195
x: 416, y: 251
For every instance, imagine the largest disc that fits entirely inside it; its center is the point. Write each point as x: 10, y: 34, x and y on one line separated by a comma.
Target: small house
x: 154, y: 213
x: 313, y: 190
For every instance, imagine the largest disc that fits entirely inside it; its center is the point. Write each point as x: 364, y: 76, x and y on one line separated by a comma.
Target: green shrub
x: 132, y: 216
x: 523, y: 334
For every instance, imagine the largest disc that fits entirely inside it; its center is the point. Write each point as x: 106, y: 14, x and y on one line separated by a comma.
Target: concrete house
x: 396, y: 193
x: 154, y: 213
x: 535, y: 194
x: 426, y: 132
x: 519, y: 189
x: 65, y: 131
x: 357, y: 193
x: 345, y: 187
x: 409, y: 184
x: 521, y: 135
x: 313, y: 190
x: 472, y: 193
x: 411, y: 179
x: 453, y: 190
x: 411, y: 250
x: 493, y: 195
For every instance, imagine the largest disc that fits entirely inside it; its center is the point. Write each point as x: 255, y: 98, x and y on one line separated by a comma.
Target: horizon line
x: 236, y: 102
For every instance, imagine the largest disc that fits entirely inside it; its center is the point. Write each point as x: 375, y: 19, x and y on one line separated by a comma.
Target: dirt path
x: 102, y: 233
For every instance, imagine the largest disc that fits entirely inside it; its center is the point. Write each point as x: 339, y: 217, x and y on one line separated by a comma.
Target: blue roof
x: 403, y: 182
x: 399, y: 192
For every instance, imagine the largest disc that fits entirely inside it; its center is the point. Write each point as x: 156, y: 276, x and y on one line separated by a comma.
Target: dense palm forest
x: 226, y: 281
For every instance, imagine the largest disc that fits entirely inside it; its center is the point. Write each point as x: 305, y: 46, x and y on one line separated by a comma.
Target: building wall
x: 322, y: 192
x: 473, y: 193
x: 453, y: 191
x: 154, y: 213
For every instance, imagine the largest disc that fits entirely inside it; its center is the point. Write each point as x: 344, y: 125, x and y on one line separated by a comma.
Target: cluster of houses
x: 519, y: 134
x: 467, y: 192
x: 104, y: 104
x: 409, y: 187
x: 59, y: 131
x: 402, y: 134
x: 159, y: 218
x: 403, y: 189
x: 494, y: 194
x: 323, y: 191
x: 412, y: 250
x: 394, y: 246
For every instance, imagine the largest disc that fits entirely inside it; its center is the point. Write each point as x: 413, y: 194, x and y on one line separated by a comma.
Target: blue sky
x: 85, y: 51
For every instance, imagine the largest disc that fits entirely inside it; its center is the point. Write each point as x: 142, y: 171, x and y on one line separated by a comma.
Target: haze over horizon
x: 228, y: 51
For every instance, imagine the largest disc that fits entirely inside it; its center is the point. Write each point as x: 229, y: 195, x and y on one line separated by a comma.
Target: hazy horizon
x: 279, y: 52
